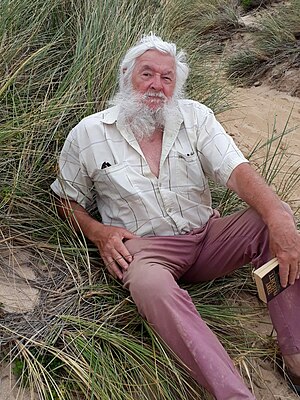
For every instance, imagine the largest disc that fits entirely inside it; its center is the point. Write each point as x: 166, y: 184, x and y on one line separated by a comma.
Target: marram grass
x: 274, y: 44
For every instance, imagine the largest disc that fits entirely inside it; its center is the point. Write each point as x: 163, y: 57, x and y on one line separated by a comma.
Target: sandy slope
x: 257, y: 112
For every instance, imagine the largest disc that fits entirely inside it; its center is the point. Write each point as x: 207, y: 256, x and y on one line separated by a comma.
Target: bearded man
x: 147, y: 160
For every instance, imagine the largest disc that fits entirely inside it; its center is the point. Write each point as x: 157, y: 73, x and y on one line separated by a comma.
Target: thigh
x: 152, y: 275
x: 172, y: 253
x: 230, y: 243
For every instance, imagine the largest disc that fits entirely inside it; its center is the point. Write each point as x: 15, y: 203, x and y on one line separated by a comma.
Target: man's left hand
x: 285, y: 245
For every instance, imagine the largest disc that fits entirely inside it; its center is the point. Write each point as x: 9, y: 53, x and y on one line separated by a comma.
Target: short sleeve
x: 218, y: 153
x: 73, y: 182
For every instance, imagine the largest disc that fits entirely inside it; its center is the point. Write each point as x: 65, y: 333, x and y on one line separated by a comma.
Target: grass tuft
x: 274, y: 44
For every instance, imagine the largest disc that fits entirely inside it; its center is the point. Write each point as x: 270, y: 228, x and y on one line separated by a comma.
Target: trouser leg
x: 172, y: 314
x: 230, y: 242
x: 284, y: 311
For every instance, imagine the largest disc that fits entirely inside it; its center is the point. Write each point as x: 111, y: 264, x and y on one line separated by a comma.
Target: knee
x: 149, y: 284
x: 150, y: 288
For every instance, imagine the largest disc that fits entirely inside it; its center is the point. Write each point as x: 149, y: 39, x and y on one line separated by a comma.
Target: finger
x: 128, y: 234
x: 284, y: 274
x: 119, y: 259
x: 293, y: 273
x: 123, y: 251
x: 114, y: 269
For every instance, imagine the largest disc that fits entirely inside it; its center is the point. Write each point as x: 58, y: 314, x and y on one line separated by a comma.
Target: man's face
x: 154, y: 77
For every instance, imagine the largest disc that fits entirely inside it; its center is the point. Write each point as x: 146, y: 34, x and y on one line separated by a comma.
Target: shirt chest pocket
x: 121, y: 182
x: 189, y: 174
x: 115, y: 181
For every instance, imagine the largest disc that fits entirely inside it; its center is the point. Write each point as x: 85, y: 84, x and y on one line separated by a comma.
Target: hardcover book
x: 267, y: 280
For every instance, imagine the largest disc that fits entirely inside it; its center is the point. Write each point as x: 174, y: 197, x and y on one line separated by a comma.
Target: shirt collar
x: 111, y: 115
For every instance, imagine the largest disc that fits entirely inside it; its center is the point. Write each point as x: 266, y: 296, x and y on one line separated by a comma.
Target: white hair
x: 153, y: 42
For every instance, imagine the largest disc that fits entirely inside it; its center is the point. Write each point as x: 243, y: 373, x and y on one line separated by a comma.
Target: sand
x: 260, y: 111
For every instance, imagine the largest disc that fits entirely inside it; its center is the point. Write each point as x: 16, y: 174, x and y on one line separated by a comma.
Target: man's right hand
x: 109, y: 240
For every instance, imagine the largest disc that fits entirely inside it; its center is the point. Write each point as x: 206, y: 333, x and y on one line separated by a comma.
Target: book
x: 268, y: 281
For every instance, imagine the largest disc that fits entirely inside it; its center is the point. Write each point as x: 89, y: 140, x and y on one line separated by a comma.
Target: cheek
x: 169, y: 91
x: 140, y: 86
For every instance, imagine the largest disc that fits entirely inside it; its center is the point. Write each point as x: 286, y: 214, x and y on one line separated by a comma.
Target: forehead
x: 156, y: 60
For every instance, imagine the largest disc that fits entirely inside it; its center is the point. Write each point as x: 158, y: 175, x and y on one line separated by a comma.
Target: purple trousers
x: 221, y: 246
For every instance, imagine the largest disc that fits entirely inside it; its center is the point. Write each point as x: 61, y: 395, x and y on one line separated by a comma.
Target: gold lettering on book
x: 272, y: 285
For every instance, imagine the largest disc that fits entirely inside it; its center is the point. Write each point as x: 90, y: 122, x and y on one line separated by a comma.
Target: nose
x: 156, y: 83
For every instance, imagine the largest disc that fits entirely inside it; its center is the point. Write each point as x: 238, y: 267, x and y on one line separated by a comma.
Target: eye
x: 146, y: 74
x: 167, y: 79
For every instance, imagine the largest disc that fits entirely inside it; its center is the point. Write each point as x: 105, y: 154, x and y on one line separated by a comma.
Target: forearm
x: 78, y: 217
x: 283, y: 236
x: 253, y: 189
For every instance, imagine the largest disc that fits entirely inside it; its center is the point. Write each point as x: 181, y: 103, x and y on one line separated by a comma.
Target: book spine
x: 260, y: 288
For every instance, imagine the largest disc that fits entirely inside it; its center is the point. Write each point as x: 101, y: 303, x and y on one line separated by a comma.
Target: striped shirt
x: 102, y: 161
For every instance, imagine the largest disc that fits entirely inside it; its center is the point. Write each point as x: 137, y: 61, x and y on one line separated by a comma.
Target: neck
x: 151, y: 148
x: 157, y: 133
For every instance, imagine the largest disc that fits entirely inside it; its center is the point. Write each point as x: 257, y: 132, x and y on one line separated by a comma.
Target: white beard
x: 142, y: 120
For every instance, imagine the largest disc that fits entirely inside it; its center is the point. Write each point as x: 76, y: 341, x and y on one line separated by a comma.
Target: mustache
x: 154, y: 94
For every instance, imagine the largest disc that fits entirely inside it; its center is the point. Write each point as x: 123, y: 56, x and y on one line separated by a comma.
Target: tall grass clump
x: 84, y: 338
x: 276, y: 43
x: 203, y: 17
x: 206, y: 23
